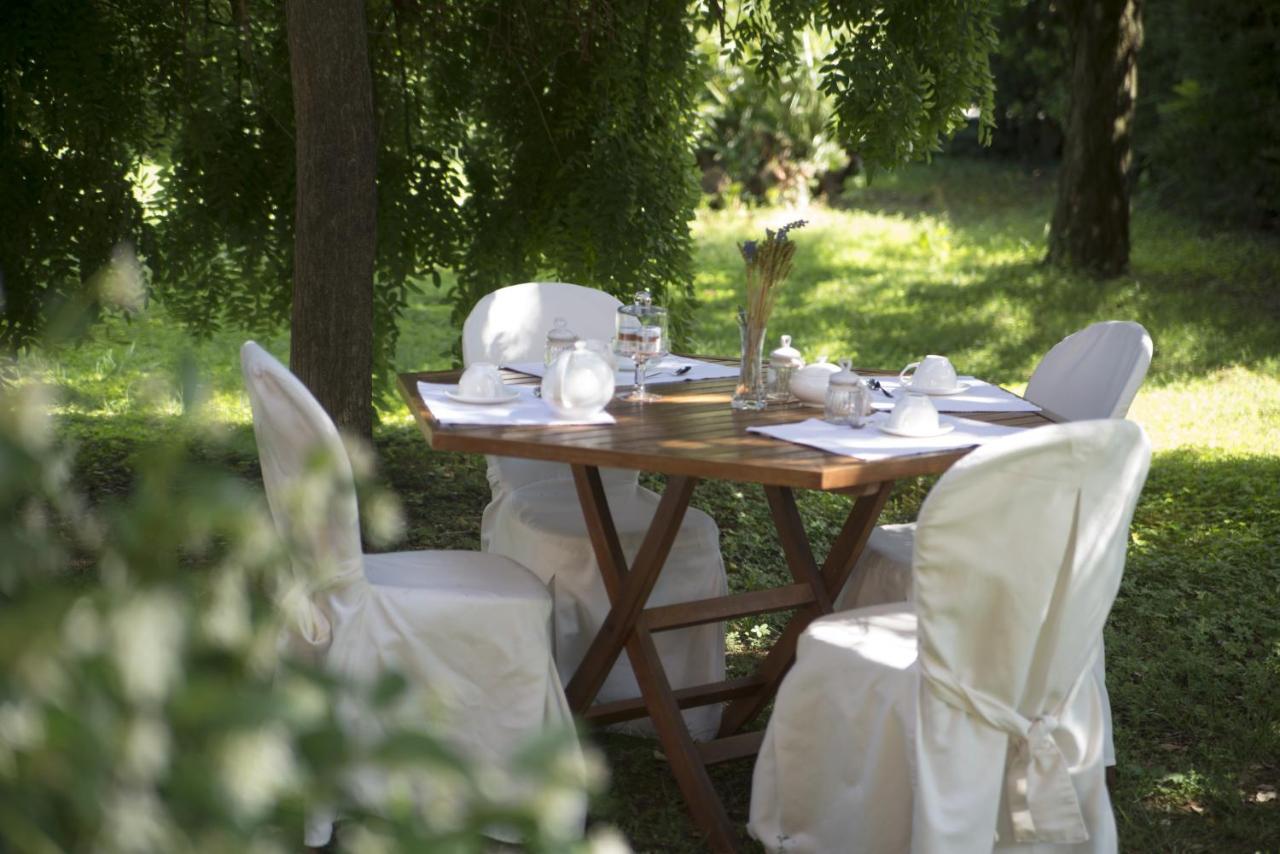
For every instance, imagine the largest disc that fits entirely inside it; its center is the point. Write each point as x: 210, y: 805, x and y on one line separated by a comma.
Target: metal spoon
x: 875, y: 384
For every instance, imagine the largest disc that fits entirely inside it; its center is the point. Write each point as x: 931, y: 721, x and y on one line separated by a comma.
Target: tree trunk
x: 336, y: 207
x: 1090, y: 229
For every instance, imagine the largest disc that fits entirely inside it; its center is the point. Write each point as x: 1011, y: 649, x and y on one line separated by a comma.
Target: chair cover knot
x: 303, y: 616
x: 1043, y: 805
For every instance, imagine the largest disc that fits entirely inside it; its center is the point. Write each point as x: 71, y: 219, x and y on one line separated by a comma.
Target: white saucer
x: 962, y: 385
x: 482, y: 401
x: 942, y: 430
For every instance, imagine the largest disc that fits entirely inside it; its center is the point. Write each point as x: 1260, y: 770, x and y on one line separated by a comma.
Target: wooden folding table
x: 691, y: 434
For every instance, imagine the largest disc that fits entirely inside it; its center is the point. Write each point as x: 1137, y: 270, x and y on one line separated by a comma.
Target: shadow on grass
x: 1193, y: 658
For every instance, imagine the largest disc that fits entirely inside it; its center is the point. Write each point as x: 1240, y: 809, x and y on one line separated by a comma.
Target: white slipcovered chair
x: 471, y: 630
x: 967, y: 721
x: 1093, y: 373
x: 535, y: 516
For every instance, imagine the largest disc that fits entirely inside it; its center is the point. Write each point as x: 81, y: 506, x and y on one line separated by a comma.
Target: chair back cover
x: 306, y: 472
x: 510, y: 325
x: 1093, y: 373
x: 1018, y: 557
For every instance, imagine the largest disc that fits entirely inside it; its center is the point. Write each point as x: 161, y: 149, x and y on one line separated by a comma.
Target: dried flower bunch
x: 768, y: 264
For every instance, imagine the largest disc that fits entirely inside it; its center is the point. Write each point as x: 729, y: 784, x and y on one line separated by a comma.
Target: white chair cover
x: 535, y: 517
x: 1093, y: 373
x: 470, y: 630
x: 510, y: 325
x: 966, y: 721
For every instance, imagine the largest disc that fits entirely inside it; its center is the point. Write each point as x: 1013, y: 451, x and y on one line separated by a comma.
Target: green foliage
x: 769, y: 136
x: 144, y: 702
x: 1209, y: 107
x: 577, y: 154
x: 901, y: 75
x: 71, y: 132
x: 514, y: 141
x: 1032, y: 67
x: 1208, y: 111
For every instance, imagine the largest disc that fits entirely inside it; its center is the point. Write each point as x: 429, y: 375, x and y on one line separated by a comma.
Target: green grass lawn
x: 940, y: 259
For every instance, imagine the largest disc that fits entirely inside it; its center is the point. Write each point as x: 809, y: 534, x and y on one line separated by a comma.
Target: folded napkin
x: 659, y: 371
x: 524, y: 410
x: 869, y: 443
x: 979, y: 397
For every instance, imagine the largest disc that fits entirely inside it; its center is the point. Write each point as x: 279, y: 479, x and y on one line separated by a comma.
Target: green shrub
x: 146, y: 706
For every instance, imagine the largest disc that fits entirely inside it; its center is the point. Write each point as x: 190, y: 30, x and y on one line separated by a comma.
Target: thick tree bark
x: 336, y: 207
x: 1090, y: 229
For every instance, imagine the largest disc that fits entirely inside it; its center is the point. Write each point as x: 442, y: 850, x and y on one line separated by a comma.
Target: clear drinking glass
x: 642, y: 337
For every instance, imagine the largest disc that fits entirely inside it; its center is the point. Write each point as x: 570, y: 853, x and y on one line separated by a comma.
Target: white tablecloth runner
x: 659, y: 372
x: 869, y: 443
x: 525, y: 410
x: 981, y: 396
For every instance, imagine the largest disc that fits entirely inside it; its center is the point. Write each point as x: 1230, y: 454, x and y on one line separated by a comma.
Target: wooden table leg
x: 840, y: 561
x: 628, y: 591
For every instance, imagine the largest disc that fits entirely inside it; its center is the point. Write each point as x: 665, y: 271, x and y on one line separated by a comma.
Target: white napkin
x: 979, y: 397
x: 523, y: 410
x: 659, y: 371
x: 869, y: 443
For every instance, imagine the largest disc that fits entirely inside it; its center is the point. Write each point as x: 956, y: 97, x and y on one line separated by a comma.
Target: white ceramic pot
x: 810, y: 382
x: 579, y: 383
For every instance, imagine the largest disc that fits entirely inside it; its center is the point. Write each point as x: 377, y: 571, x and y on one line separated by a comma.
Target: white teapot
x: 579, y: 383
x: 810, y: 382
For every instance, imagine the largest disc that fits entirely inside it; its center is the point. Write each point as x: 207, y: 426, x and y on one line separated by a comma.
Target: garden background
x: 945, y: 256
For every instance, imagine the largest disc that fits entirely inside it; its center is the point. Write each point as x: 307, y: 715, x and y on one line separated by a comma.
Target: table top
x: 692, y: 431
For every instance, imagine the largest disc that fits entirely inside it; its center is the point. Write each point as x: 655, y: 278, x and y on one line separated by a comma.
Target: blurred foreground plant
x: 145, y: 705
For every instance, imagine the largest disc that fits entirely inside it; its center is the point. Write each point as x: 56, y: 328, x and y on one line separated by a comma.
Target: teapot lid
x: 846, y: 376
x: 821, y: 366
x: 560, y: 331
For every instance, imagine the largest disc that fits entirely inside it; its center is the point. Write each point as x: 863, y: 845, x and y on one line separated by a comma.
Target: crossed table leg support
x: 630, y: 625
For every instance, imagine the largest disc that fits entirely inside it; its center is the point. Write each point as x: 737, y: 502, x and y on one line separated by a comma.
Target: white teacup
x: 934, y: 374
x: 481, y: 380
x: 914, y: 413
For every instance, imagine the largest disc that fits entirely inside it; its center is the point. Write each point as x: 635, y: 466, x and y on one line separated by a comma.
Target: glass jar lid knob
x: 846, y: 375
x: 560, y: 331
x: 786, y: 354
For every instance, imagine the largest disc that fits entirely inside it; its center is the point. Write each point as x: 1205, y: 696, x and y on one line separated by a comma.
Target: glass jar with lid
x: 783, y: 363
x: 559, y: 339
x: 642, y: 337
x: 848, y: 398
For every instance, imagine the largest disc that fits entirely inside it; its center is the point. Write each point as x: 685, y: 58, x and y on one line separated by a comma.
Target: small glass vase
x: 750, y: 393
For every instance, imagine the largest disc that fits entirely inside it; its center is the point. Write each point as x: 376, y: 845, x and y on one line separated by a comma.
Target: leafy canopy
x: 516, y: 139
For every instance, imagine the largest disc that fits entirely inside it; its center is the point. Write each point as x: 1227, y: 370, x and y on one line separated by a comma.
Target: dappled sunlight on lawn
x: 943, y: 260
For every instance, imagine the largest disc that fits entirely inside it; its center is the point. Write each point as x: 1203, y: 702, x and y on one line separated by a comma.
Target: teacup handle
x: 902, y: 377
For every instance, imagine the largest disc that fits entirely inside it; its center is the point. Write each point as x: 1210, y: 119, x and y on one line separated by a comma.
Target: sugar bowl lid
x: 846, y: 376
x: 786, y: 354
x: 560, y: 332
